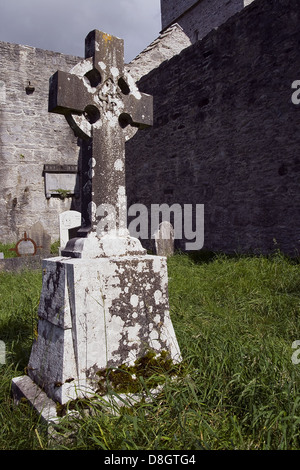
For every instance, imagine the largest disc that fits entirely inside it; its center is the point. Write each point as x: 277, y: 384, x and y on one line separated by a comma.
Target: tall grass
x: 19, y: 297
x: 235, y: 319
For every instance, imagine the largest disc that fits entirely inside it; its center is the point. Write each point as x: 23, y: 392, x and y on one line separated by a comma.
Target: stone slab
x: 164, y: 239
x: 20, y: 263
x: 24, y: 387
x: 41, y: 238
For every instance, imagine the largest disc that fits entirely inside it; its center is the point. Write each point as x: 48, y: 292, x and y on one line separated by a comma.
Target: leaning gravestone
x: 104, y: 302
x: 164, y: 239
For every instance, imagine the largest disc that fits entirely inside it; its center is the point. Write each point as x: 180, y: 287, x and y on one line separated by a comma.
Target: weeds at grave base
x: 121, y: 391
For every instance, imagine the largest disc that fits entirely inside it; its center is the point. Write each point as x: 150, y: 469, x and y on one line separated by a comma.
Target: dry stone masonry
x: 30, y: 137
x: 198, y: 17
x: 224, y: 107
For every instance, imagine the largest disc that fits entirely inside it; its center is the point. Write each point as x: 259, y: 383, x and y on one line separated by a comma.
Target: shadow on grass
x: 206, y: 257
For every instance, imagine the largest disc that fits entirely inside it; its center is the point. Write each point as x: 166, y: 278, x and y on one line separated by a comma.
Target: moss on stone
x: 148, y: 371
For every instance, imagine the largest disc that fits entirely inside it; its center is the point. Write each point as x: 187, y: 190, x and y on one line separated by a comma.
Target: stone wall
x: 226, y: 133
x: 198, y: 18
x: 29, y: 138
x: 172, y: 9
x: 169, y: 43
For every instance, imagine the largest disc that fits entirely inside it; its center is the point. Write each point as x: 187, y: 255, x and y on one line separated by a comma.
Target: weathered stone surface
x: 164, y: 239
x: 61, y: 180
x: 24, y: 387
x: 20, y: 264
x: 199, y: 17
x: 29, y: 138
x: 225, y: 133
x: 169, y: 43
x: 107, y: 304
x: 41, y: 238
x: 95, y: 314
x: 99, y: 100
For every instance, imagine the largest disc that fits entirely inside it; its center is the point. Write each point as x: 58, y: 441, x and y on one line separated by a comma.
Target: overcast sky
x: 62, y: 25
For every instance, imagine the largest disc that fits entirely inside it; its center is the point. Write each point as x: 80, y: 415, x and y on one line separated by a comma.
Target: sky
x: 62, y: 25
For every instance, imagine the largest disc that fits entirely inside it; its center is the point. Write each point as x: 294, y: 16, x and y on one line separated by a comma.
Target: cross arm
x: 140, y: 110
x: 67, y: 94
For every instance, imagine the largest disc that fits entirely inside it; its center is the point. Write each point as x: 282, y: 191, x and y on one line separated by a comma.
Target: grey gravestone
x: 26, y: 247
x: 164, y: 239
x: 104, y: 303
x: 41, y: 238
x: 1, y: 255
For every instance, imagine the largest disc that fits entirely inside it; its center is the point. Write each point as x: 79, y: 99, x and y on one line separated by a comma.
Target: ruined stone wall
x: 226, y: 133
x: 172, y: 9
x: 169, y: 43
x: 29, y: 138
x: 198, y: 18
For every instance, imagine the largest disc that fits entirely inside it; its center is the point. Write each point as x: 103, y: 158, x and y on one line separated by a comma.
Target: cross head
x: 99, y: 100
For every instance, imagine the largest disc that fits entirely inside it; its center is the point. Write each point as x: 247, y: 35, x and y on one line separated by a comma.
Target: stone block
x: 96, y: 314
x: 24, y: 387
x: 41, y: 238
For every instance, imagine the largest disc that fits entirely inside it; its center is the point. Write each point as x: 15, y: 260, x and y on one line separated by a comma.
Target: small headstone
x: 164, y: 239
x: 1, y: 255
x: 26, y: 247
x: 68, y: 221
x: 41, y: 238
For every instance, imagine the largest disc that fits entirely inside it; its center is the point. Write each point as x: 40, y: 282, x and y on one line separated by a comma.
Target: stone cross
x: 104, y: 306
x: 99, y: 100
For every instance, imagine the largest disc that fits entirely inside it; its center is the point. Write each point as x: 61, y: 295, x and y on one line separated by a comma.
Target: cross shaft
x: 99, y: 100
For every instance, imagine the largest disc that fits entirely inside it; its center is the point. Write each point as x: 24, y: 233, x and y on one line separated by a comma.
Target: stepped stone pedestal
x: 95, y: 314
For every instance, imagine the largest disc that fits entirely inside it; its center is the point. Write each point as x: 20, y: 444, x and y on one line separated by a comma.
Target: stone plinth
x: 96, y: 314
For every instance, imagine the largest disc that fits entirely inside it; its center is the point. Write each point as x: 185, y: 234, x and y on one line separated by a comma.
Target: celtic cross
x: 99, y: 100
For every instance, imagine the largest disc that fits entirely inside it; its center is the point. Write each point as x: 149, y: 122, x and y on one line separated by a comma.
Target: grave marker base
x: 96, y: 314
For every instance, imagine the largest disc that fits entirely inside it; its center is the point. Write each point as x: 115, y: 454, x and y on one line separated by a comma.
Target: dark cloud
x: 61, y: 25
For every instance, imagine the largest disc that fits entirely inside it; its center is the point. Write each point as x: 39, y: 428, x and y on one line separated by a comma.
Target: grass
x: 235, y: 318
x: 8, y: 250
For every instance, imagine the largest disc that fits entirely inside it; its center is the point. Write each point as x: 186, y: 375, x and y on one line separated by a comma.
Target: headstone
x: 164, y: 239
x: 104, y: 302
x: 68, y: 221
x: 1, y: 255
x: 41, y: 238
x: 26, y: 247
